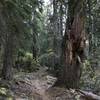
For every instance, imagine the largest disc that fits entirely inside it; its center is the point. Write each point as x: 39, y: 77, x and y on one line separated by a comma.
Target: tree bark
x: 34, y: 48
x: 61, y: 19
x: 34, y: 39
x: 73, y: 45
x: 7, y: 71
x: 9, y: 46
x: 90, y: 29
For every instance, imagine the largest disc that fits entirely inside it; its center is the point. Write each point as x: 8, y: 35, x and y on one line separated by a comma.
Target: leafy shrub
x: 50, y: 60
x: 27, y: 63
x: 45, y: 59
x: 89, y: 80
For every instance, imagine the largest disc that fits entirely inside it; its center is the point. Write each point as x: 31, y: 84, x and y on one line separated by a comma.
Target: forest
x: 49, y: 50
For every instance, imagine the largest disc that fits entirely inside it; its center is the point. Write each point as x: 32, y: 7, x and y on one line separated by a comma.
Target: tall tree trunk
x: 73, y: 45
x: 33, y: 32
x: 7, y: 72
x: 55, y: 32
x: 9, y: 46
x: 61, y: 19
x: 90, y: 26
x: 34, y: 48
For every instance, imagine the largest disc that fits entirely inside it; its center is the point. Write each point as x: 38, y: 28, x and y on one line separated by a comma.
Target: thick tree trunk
x: 9, y: 40
x: 73, y: 45
x: 7, y: 72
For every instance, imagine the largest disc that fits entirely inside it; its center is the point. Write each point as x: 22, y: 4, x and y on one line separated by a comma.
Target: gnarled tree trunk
x: 73, y: 45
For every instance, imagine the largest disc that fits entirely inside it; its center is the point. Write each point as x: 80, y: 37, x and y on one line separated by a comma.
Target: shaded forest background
x: 61, y: 35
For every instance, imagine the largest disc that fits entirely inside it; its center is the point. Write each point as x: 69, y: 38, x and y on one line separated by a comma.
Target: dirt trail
x: 38, y: 86
x: 33, y: 85
x: 40, y: 90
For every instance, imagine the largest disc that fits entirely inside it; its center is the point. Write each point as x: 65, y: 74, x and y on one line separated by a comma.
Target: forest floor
x: 36, y: 86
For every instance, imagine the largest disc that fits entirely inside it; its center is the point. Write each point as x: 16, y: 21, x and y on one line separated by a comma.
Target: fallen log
x: 88, y: 95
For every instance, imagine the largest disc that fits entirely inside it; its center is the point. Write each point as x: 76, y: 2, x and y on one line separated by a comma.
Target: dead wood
x: 88, y: 95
